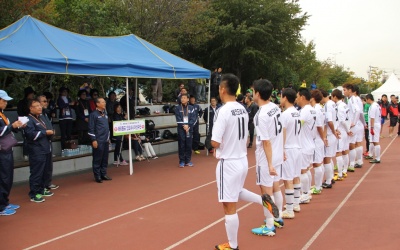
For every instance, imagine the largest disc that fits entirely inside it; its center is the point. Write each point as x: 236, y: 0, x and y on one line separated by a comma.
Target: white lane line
x: 119, y: 216
x: 206, y: 227
x: 330, y: 218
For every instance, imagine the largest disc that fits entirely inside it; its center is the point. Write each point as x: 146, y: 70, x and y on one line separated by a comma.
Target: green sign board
x: 129, y: 127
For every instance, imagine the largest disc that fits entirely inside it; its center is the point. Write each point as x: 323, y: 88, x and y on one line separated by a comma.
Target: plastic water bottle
x: 63, y: 153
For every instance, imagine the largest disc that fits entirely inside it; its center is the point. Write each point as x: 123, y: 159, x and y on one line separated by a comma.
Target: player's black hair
x: 349, y: 86
x: 317, y: 95
x: 264, y: 88
x: 290, y: 95
x: 305, y: 92
x: 231, y: 83
x: 357, y: 89
x: 337, y: 93
x: 324, y: 92
x: 369, y: 96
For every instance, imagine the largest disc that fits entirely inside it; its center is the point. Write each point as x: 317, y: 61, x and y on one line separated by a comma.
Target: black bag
x: 154, y: 136
x: 167, y: 135
x: 169, y: 108
x: 172, y: 109
x: 143, y: 111
x: 207, y: 143
x: 7, y: 142
x: 201, y: 146
x: 150, y: 125
x: 175, y: 136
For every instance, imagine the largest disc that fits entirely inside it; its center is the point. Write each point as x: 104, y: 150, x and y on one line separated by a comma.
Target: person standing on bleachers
x: 65, y: 105
x: 156, y: 87
x: 131, y: 103
x: 83, y: 111
x: 23, y: 110
x: 6, y: 158
x: 185, y: 118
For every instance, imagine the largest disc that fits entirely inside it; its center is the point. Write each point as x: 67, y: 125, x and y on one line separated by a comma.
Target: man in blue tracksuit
x: 100, y: 135
x: 198, y: 113
x: 186, y: 118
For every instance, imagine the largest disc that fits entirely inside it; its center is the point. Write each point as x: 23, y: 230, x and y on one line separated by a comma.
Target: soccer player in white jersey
x: 374, y: 127
x: 291, y: 170
x: 343, y: 129
x: 269, y: 153
x: 361, y: 133
x: 332, y: 136
x: 307, y: 135
x: 229, y: 138
x: 320, y: 141
x: 355, y: 126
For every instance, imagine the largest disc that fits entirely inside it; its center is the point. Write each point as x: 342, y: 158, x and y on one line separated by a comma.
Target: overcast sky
x: 358, y: 33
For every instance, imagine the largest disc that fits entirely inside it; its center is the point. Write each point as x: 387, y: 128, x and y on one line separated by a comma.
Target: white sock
x: 246, y: 195
x: 371, y: 149
x: 328, y: 173
x: 279, y: 202
x: 305, y: 183
x: 309, y: 178
x: 297, y: 193
x: 339, y: 162
x: 345, y: 162
x: 232, y: 227
x: 289, y: 197
x: 378, y: 152
x: 352, y: 157
x: 359, y: 156
x: 318, y: 175
x: 269, y: 218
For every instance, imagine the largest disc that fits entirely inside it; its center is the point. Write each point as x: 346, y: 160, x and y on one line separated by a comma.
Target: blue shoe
x: 7, y: 211
x: 12, y: 206
x: 181, y: 165
x: 190, y: 164
x: 264, y: 231
x: 278, y: 223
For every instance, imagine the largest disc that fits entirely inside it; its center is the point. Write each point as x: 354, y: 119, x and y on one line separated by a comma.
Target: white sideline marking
x: 330, y: 218
x: 120, y: 215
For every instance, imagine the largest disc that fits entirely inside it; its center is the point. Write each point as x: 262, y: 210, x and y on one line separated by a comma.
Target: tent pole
x: 130, y: 136
x: 208, y: 113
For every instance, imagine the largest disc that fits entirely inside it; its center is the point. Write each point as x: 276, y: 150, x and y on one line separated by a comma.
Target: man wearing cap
x: 6, y: 157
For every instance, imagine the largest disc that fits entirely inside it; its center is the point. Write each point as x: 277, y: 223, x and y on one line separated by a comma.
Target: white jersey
x: 308, y: 126
x: 320, y: 112
x: 361, y: 119
x: 374, y: 112
x: 291, y: 122
x: 342, y: 116
x: 354, y: 110
x: 330, y: 115
x: 230, y: 130
x: 269, y: 127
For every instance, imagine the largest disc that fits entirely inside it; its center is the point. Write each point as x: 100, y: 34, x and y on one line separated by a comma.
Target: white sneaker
x: 288, y: 215
x: 138, y: 158
x: 305, y: 199
x: 115, y: 163
x: 296, y: 208
x: 123, y: 163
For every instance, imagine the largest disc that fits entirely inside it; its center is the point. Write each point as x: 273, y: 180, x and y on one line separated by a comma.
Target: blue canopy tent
x: 30, y: 45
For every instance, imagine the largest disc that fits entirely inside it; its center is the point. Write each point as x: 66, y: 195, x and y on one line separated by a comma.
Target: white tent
x: 390, y: 87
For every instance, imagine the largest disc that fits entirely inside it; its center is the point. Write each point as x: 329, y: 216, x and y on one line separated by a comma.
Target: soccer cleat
x: 181, y: 165
x: 358, y: 165
x: 333, y: 181
x: 12, y: 206
x: 279, y: 223
x: 37, y: 198
x: 325, y: 185
x: 368, y: 157
x: 288, y: 214
x: 197, y: 152
x: 7, y: 211
x: 264, y: 231
x: 155, y: 157
x: 366, y: 153
x: 344, y: 175
x: 225, y: 246
x: 351, y: 169
x: 53, y: 186
x: 335, y: 168
x: 270, y: 205
x: 339, y: 178
x: 316, y: 190
x: 123, y: 163
x: 296, y: 208
x: 375, y: 161
x: 335, y: 178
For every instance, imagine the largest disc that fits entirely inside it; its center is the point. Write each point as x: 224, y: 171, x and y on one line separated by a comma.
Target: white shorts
x: 290, y: 167
x: 231, y: 175
x: 319, y: 152
x: 343, y: 143
x: 330, y: 150
x: 375, y: 137
x: 264, y: 178
x: 352, y: 139
x: 360, y: 133
x: 306, y: 161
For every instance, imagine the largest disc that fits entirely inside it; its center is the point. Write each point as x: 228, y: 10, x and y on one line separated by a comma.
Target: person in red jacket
x: 393, y: 111
x: 384, y: 104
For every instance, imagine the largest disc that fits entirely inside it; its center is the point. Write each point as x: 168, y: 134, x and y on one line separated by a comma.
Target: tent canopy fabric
x: 30, y: 45
x: 390, y: 87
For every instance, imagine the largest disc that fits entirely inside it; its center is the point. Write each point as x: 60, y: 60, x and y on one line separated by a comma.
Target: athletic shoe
x: 366, y: 153
x: 344, y: 175
x: 279, y: 223
x: 138, y: 158
x: 47, y: 193
x: 142, y: 158
x: 351, y: 169
x: 325, y: 185
x: 288, y: 215
x: 225, y: 246
x: 190, y: 164
x: 333, y: 181
x: 335, y: 168
x: 155, y: 157
x: 316, y: 191
x: 123, y: 163
x: 181, y: 164
x: 270, y: 205
x: 296, y: 208
x: 53, y: 186
x: 115, y: 163
x: 197, y: 152
x: 12, y: 206
x: 7, y: 211
x: 211, y: 151
x: 339, y: 178
x: 375, y: 161
x: 304, y: 200
x: 264, y: 231
x: 358, y: 165
x: 37, y: 198
x: 368, y: 157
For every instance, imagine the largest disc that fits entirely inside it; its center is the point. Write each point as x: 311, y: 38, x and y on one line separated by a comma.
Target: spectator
x: 313, y: 86
x: 48, y: 169
x: 111, y: 101
x: 192, y: 87
x: 51, y: 108
x: 249, y: 92
x: 196, y: 135
x: 394, y: 114
x: 94, y: 93
x: 100, y: 135
x: 214, y: 86
x: 82, y: 118
x: 65, y: 105
x: 156, y: 86
x: 137, y: 148
x: 290, y: 86
x: 148, y: 147
x: 23, y: 110
x: 38, y: 137
x: 183, y: 92
x: 178, y: 90
x: 210, y: 112
x: 252, y: 109
x: 118, y: 115
x: 303, y: 84
x: 366, y: 131
x: 201, y: 90
x: 384, y: 104
x: 132, y: 103
x: 185, y: 118
x: 6, y: 158
x: 240, y: 99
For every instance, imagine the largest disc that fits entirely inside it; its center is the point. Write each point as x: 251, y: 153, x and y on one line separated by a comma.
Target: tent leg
x: 129, y: 140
